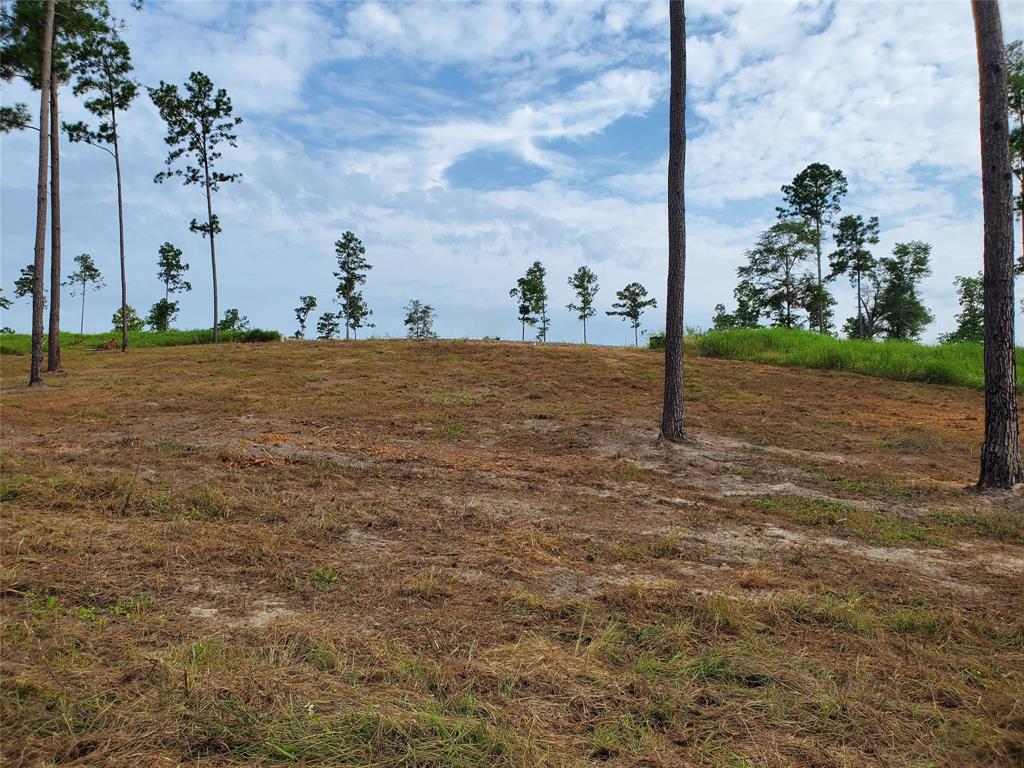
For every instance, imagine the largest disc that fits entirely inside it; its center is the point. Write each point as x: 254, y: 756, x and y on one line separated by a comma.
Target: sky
x: 463, y: 141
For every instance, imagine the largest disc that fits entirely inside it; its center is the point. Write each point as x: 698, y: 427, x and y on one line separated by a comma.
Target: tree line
x: 531, y: 297
x: 787, y: 273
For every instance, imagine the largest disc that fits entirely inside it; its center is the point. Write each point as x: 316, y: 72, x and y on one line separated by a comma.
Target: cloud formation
x: 462, y: 141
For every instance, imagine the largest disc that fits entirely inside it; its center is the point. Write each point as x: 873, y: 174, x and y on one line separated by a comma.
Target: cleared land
x: 474, y: 554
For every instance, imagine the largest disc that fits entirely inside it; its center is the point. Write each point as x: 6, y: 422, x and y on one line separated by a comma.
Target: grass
x: 950, y: 364
x: 845, y: 518
x: 396, y: 563
x: 21, y: 343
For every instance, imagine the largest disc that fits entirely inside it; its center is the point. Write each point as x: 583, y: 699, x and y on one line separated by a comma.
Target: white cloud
x: 356, y: 114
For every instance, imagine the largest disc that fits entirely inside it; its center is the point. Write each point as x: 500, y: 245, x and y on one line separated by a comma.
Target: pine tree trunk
x: 860, y: 313
x: 584, y: 330
x: 672, y: 425
x: 120, y: 232
x: 817, y: 249
x: 81, y: 325
x: 53, y: 337
x: 39, y: 262
x: 213, y: 254
x: 1000, y: 452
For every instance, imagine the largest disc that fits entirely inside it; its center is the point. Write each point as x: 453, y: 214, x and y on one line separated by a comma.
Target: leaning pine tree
x: 198, y: 122
x: 672, y: 428
x: 1000, y: 453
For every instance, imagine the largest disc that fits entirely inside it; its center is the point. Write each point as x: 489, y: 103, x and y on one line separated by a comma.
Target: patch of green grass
x: 398, y: 737
x: 846, y: 518
x: 324, y: 578
x: 450, y: 398
x: 954, y: 364
x: 993, y: 524
x: 848, y: 612
x: 450, y: 430
x: 21, y: 343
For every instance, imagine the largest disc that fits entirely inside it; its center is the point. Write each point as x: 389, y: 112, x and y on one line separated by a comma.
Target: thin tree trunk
x: 584, y: 330
x: 81, y: 325
x: 213, y: 251
x: 35, y: 375
x: 672, y: 425
x: 817, y: 248
x: 636, y: 336
x: 53, y: 337
x: 860, y: 315
x: 1000, y: 453
x: 120, y: 230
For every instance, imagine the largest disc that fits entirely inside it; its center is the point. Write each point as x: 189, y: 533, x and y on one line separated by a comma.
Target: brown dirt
x: 462, y: 554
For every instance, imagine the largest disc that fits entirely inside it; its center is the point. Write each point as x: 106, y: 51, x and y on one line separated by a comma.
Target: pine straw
x: 310, y: 572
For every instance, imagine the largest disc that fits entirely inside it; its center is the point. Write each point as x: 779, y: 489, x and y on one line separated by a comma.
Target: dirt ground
x: 390, y: 553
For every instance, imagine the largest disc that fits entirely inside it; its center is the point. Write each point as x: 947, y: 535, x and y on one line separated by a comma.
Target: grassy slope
x: 955, y: 364
x: 465, y: 554
x: 21, y: 343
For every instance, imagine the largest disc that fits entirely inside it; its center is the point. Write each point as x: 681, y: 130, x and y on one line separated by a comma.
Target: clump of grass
x: 629, y: 471
x: 324, y: 579
x: 846, y: 518
x: 450, y: 398
x: 955, y: 364
x: 450, y: 430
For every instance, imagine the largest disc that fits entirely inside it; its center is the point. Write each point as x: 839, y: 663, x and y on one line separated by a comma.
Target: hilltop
x: 398, y: 553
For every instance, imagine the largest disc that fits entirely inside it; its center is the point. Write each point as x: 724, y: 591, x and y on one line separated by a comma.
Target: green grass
x: 954, y: 364
x: 21, y: 343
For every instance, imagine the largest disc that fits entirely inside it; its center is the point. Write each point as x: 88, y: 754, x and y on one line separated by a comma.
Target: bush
x: 656, y: 340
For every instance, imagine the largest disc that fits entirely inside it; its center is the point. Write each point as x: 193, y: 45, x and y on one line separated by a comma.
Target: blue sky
x: 462, y: 141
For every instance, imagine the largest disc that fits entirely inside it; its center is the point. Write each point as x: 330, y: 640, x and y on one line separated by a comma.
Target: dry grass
x: 474, y: 554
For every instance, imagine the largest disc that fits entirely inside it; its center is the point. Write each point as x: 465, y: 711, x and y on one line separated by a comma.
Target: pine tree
x: 852, y: 257
x: 84, y: 279
x: 813, y: 198
x: 584, y: 284
x: 198, y: 123
x: 306, y: 305
x: 352, y: 269
x: 103, y: 68
x: 632, y: 301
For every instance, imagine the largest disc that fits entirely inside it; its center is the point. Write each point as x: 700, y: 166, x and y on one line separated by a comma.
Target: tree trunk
x: 584, y: 330
x: 35, y: 375
x: 636, y: 336
x: 213, y: 255
x: 817, y: 249
x: 53, y: 337
x: 1000, y: 452
x: 672, y: 427
x: 120, y: 232
x: 860, y: 316
x: 81, y: 325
